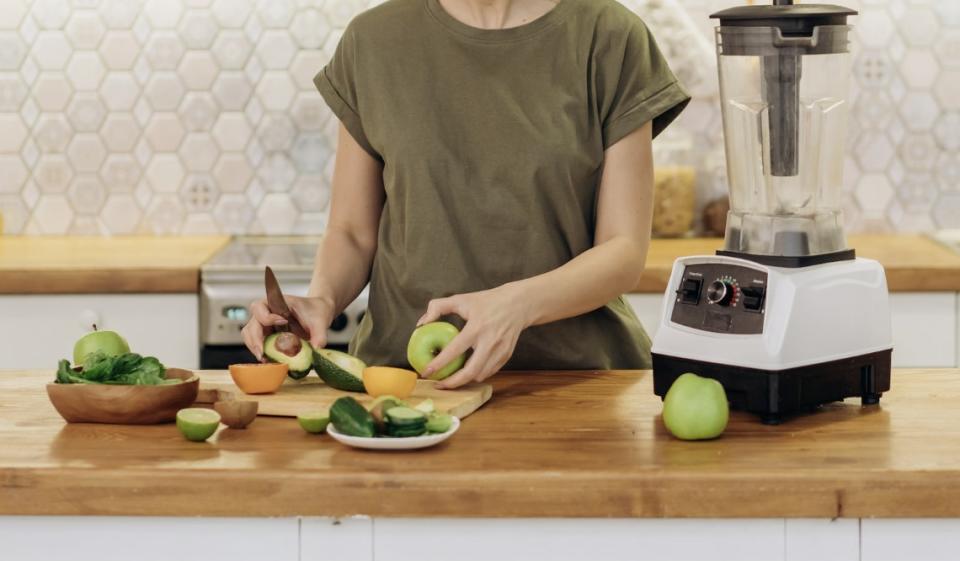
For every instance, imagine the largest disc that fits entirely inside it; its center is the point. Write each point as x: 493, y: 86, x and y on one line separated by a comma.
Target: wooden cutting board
x: 295, y: 397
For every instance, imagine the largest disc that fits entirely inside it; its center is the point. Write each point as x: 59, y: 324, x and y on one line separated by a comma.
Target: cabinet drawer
x: 38, y: 330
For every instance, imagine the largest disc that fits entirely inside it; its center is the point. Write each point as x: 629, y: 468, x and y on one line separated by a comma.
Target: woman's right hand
x: 314, y: 314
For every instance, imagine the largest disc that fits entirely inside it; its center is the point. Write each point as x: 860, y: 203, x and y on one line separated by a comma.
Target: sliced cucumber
x: 380, y: 406
x: 350, y: 418
x: 439, y: 422
x: 406, y: 432
x: 405, y: 416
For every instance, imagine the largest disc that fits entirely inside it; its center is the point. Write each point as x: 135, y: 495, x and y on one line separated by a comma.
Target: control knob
x: 721, y: 292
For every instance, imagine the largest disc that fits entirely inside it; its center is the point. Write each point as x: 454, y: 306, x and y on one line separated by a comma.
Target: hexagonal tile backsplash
x: 200, y: 116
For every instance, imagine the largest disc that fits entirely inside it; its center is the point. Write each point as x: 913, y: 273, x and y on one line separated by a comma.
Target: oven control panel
x: 224, y: 312
x: 721, y: 298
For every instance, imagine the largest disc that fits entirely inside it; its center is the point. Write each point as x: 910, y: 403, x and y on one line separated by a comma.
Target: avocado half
x: 339, y: 370
x: 299, y: 364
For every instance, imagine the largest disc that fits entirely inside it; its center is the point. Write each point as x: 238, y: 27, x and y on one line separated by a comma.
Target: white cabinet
x: 338, y: 539
x: 925, y: 326
x: 38, y: 330
x: 822, y: 539
x: 929, y: 539
x: 577, y: 539
x: 122, y: 538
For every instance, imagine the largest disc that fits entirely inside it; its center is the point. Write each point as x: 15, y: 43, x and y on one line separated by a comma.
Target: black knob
x: 339, y: 323
x: 720, y: 293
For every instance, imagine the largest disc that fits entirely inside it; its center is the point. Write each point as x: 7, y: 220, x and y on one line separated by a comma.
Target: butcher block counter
x: 122, y: 264
x: 549, y: 444
x: 145, y: 264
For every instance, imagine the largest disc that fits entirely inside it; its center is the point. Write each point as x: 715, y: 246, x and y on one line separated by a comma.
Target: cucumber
x: 406, y: 432
x: 426, y: 406
x: 378, y: 409
x: 405, y: 416
x: 439, y: 422
x: 350, y: 418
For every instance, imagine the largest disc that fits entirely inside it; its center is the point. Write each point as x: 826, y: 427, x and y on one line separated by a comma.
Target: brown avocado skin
x: 277, y: 346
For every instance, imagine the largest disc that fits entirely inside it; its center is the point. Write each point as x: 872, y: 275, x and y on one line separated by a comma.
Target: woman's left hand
x: 494, y: 319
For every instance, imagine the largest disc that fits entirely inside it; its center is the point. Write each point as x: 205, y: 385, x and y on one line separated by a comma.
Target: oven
x: 233, y: 278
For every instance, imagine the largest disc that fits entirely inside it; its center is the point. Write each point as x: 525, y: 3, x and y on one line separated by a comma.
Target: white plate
x: 386, y: 443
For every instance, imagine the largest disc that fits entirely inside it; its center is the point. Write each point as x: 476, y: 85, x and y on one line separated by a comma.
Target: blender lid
x: 787, y: 16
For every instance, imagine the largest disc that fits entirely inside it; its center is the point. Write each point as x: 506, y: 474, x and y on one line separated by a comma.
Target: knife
x: 277, y: 304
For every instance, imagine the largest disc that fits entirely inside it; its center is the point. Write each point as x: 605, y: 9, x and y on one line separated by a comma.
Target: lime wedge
x: 197, y: 424
x: 314, y: 422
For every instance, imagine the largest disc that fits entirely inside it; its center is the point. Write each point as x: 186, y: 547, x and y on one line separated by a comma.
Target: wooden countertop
x: 83, y: 265
x: 76, y: 265
x: 913, y: 263
x: 548, y: 444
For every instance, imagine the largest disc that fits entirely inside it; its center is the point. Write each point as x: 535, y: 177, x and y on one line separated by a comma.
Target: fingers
x: 460, y: 344
x: 484, y: 363
x: 440, y: 307
x: 263, y: 316
x: 312, y: 320
x: 253, y: 335
x: 470, y: 371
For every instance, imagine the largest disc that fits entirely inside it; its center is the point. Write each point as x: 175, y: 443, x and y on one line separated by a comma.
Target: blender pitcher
x: 783, y: 87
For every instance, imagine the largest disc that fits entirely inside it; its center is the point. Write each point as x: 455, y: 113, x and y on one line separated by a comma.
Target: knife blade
x: 277, y: 304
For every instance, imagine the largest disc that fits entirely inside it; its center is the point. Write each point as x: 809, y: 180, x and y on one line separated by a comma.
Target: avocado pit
x: 288, y: 344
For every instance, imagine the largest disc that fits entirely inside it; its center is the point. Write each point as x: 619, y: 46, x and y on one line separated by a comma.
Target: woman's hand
x: 494, y: 318
x: 314, y: 314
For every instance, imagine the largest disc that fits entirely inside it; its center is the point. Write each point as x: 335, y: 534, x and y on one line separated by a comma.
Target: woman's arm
x: 345, y: 255
x: 610, y: 268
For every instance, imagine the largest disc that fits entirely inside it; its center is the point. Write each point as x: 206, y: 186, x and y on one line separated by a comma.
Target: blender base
x: 777, y: 394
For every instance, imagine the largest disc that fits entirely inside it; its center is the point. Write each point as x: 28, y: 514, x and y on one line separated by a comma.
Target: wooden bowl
x: 124, y: 405
x: 259, y: 378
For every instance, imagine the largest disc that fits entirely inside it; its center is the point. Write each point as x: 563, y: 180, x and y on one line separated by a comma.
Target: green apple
x: 695, y: 408
x: 109, y: 343
x: 427, y: 341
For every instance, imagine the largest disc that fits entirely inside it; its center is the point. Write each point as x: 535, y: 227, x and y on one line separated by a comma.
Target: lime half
x: 314, y: 422
x: 197, y: 424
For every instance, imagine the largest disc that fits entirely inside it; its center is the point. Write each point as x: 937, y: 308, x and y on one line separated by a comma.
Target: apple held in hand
x: 109, y: 343
x: 427, y: 341
x: 695, y: 408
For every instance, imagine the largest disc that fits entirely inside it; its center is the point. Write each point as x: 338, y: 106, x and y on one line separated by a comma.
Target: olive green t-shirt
x: 492, y: 143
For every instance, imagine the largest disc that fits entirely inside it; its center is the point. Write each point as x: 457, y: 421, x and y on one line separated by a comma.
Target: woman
x: 493, y: 165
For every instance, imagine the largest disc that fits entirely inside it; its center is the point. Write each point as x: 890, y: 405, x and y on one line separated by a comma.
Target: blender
x: 785, y: 316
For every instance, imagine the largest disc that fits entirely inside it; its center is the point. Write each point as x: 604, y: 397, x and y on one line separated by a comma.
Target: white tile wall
x: 202, y: 114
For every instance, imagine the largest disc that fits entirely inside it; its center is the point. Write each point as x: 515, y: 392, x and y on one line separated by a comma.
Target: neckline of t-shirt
x: 527, y: 30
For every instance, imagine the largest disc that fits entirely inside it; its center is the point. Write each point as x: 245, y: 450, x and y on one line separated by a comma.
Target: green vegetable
x: 123, y: 369
x: 350, y: 418
x: 439, y: 422
x: 405, y: 416
x: 403, y: 422
x: 378, y: 409
x: 406, y: 432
